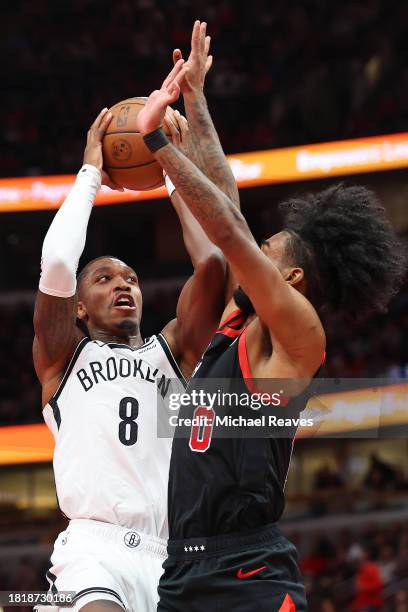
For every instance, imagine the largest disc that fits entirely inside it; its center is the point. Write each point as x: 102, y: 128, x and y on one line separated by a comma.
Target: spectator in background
x: 387, y: 563
x: 368, y: 582
x: 380, y: 474
x: 320, y: 559
x: 326, y: 480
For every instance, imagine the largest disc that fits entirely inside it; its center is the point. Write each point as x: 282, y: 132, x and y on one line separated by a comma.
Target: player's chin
x: 126, y: 314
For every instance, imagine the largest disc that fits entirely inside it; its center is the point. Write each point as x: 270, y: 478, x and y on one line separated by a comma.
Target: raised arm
x: 209, y: 155
x: 56, y: 333
x: 290, y: 318
x: 201, y: 301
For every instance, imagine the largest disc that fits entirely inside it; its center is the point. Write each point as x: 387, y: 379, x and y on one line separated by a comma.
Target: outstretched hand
x: 152, y: 114
x: 199, y: 62
x: 93, y: 149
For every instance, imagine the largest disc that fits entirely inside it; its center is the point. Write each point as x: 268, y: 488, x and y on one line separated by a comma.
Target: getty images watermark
x: 203, y: 404
x: 324, y: 407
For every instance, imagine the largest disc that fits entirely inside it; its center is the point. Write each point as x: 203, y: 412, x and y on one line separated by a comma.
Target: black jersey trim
x: 166, y: 348
x: 148, y: 342
x: 51, y: 579
x: 56, y: 411
x: 81, y: 344
x: 97, y: 590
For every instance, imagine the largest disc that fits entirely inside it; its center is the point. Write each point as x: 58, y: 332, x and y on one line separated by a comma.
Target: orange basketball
x: 126, y: 158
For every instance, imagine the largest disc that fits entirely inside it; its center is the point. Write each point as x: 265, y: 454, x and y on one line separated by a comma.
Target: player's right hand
x: 93, y: 149
x: 198, y: 63
x: 151, y: 116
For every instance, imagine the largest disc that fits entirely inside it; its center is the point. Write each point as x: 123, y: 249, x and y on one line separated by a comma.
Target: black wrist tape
x: 156, y: 140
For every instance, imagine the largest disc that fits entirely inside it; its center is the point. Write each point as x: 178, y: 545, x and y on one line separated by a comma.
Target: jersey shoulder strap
x: 170, y: 358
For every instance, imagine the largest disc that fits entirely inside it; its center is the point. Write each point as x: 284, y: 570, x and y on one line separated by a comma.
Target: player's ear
x: 295, y: 276
x: 82, y: 313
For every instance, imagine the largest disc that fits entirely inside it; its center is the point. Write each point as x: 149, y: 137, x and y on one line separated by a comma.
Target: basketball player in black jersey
x: 337, y: 252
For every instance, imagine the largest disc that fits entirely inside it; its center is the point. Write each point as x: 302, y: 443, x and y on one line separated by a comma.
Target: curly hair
x: 353, y: 261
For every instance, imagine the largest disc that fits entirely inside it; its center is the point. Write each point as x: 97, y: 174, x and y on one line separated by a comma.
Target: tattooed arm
x: 208, y: 153
x: 291, y: 320
x: 201, y: 300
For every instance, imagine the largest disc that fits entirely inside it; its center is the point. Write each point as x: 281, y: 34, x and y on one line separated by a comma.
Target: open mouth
x: 124, y: 301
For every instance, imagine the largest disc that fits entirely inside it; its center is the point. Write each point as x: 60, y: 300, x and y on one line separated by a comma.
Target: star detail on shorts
x: 196, y: 548
x: 185, y: 549
x: 190, y: 548
x: 202, y: 547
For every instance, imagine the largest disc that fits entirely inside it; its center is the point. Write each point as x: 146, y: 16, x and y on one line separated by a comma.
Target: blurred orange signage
x: 25, y: 444
x: 339, y: 158
x: 361, y: 410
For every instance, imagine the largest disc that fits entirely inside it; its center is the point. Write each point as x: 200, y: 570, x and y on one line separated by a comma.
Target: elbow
x: 212, y: 264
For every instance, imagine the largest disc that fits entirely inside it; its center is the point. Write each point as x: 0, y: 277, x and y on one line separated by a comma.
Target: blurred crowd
x: 358, y: 573
x: 284, y: 73
x: 383, y: 485
x: 380, y: 476
x: 377, y: 348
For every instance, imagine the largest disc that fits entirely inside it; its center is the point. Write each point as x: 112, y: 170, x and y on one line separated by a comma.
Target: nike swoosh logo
x: 241, y: 574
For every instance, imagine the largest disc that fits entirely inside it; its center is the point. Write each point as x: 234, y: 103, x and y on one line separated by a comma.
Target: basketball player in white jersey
x: 100, y: 395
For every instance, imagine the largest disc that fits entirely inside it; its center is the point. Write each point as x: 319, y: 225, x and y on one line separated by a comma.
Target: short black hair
x: 82, y: 274
x: 352, y: 258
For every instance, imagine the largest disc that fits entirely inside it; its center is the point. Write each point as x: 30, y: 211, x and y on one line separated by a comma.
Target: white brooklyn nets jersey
x: 109, y: 463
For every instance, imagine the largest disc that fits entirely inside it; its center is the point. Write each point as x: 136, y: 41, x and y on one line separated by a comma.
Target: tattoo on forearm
x: 208, y: 153
x: 55, y: 323
x: 212, y: 207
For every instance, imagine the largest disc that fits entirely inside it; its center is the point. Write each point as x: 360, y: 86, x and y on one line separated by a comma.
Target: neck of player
x: 123, y: 336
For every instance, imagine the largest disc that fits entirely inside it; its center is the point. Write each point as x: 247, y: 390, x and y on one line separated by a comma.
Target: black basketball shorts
x: 255, y: 571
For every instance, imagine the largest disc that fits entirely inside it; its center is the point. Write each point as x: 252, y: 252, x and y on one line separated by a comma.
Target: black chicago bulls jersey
x: 221, y: 484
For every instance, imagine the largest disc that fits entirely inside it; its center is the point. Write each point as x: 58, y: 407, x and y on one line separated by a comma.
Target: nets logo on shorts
x: 132, y: 539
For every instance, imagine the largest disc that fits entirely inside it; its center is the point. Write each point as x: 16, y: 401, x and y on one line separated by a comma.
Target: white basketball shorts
x: 99, y: 560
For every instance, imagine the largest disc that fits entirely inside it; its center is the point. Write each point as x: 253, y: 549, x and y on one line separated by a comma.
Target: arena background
x: 284, y: 75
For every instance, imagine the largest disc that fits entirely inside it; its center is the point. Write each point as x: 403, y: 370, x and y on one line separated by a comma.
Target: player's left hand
x: 180, y: 137
x: 152, y: 114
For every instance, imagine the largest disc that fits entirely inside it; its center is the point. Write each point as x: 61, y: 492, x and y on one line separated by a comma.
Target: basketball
x: 127, y: 159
